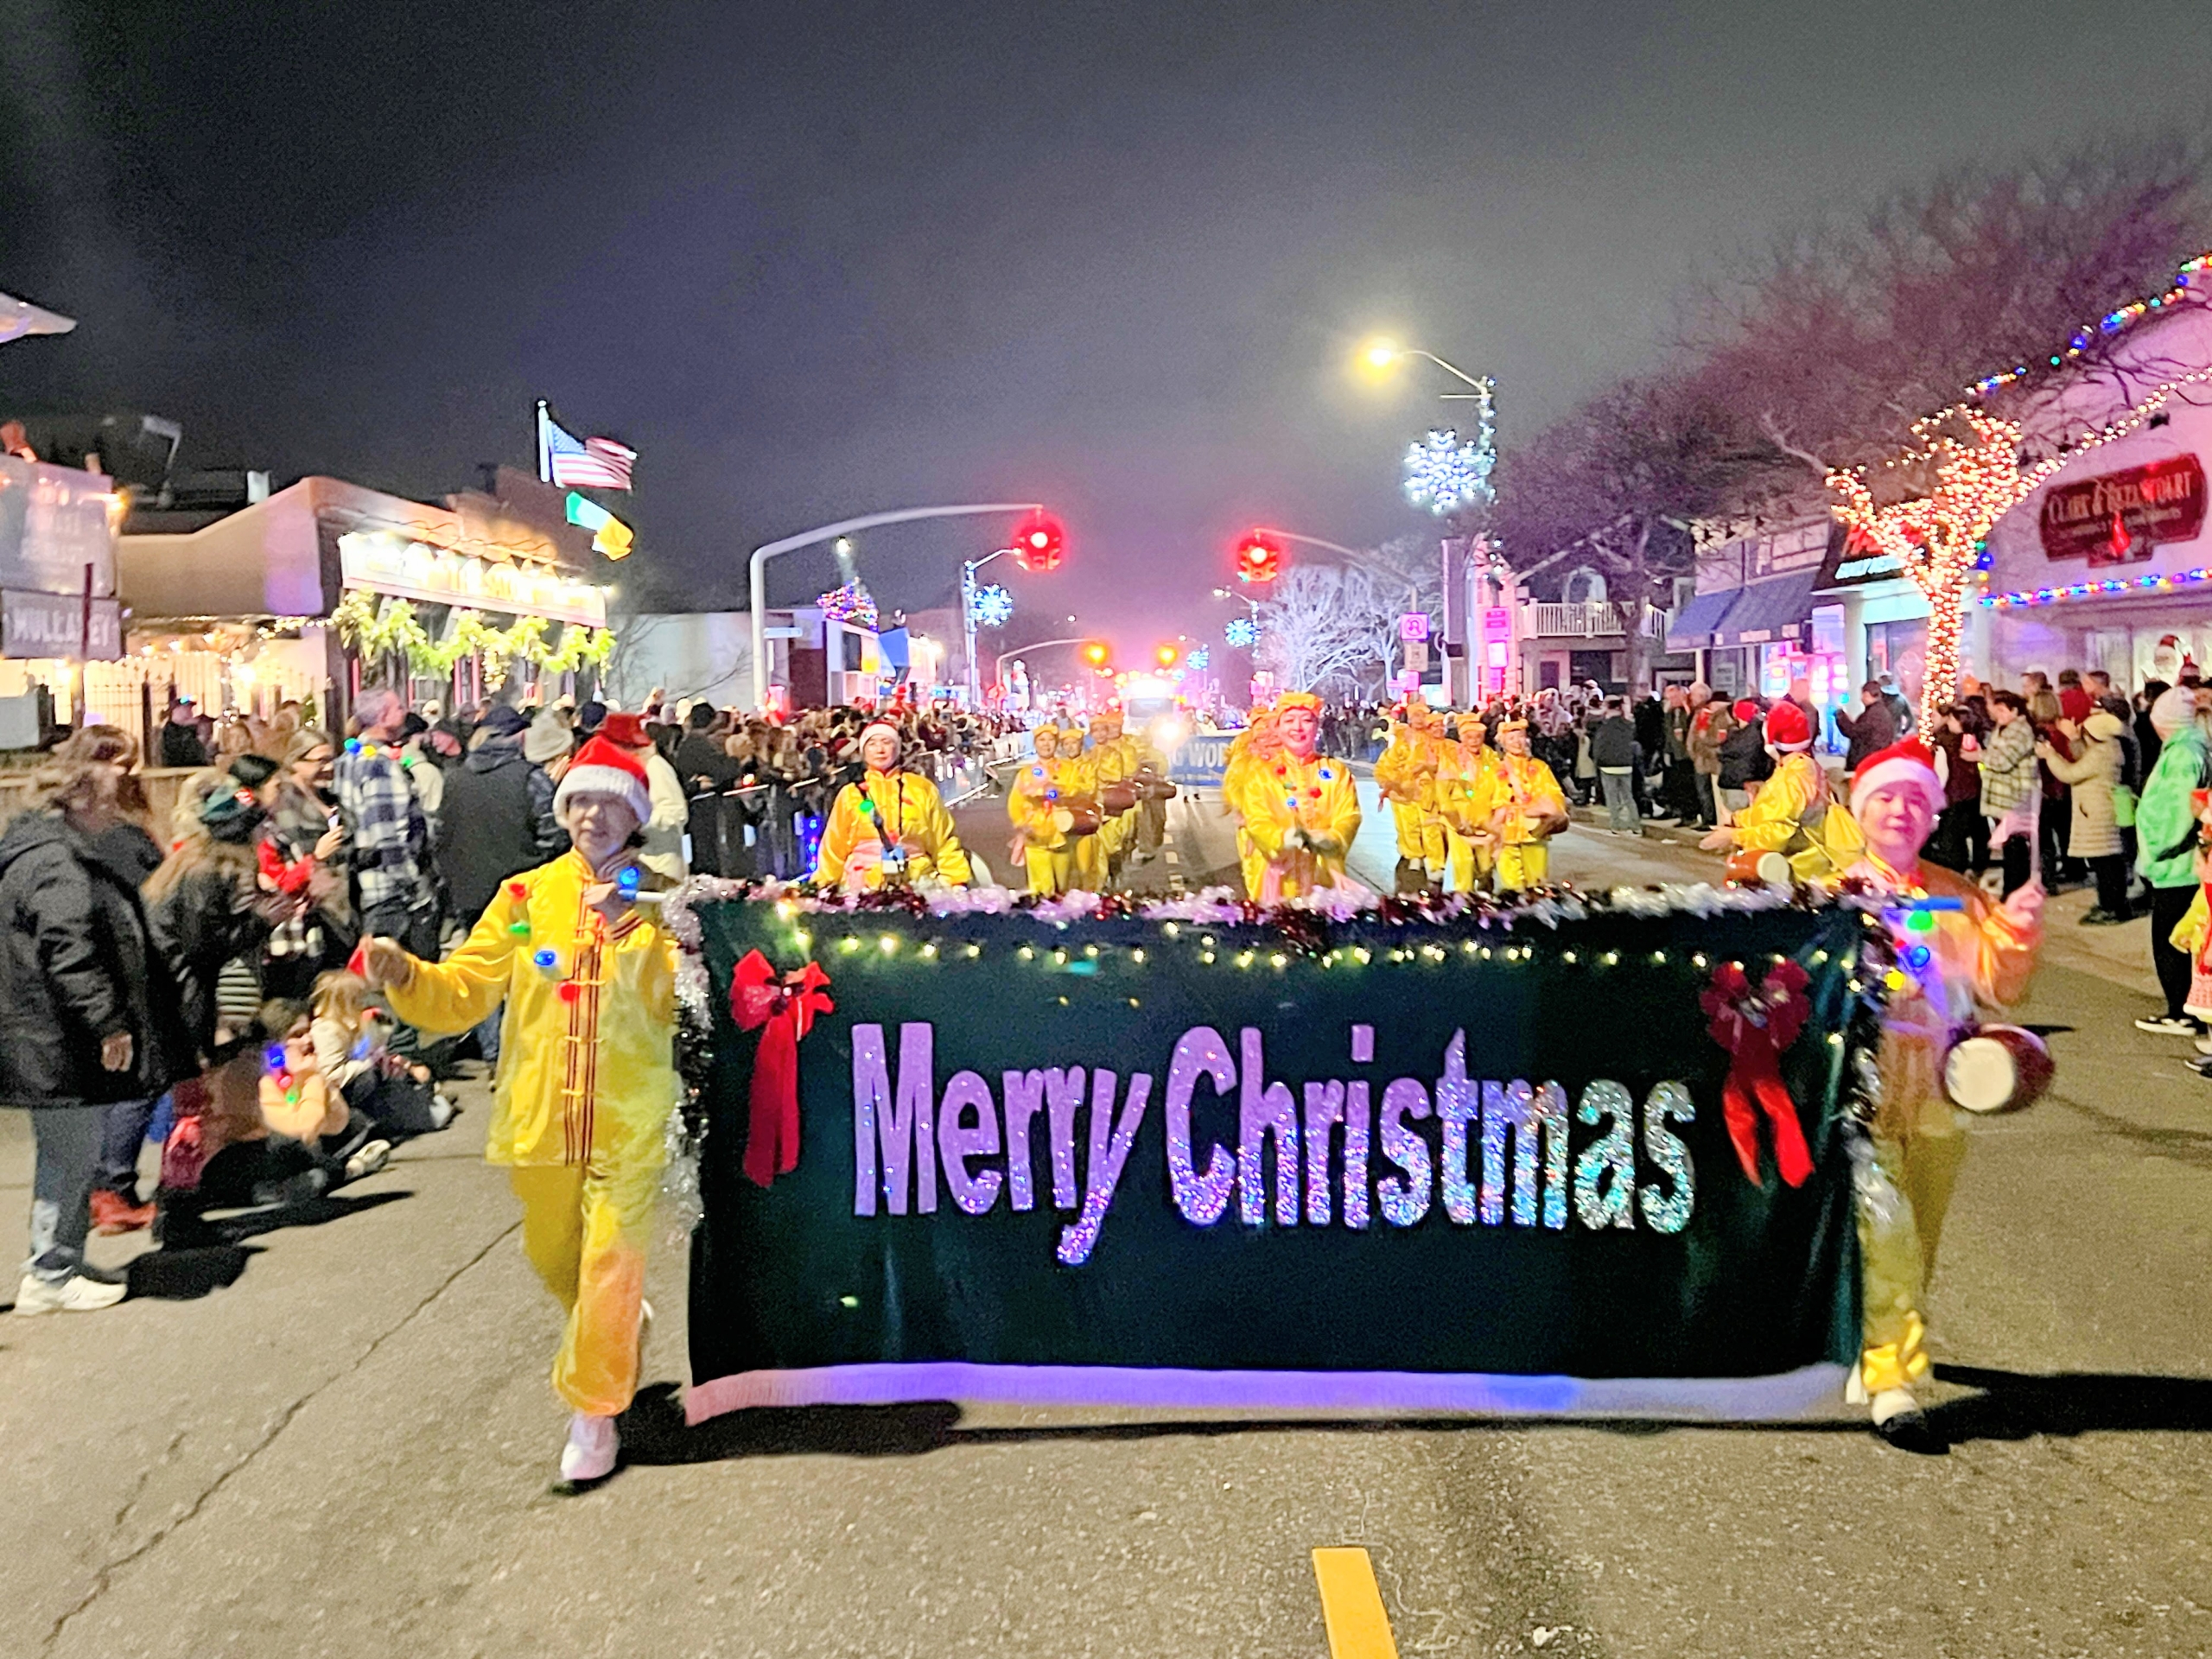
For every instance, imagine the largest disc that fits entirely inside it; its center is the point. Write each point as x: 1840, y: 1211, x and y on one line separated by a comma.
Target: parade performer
x: 1963, y: 953
x: 1253, y: 750
x: 1113, y: 762
x: 1301, y: 811
x: 1405, y: 772
x: 1463, y: 790
x: 586, y: 1074
x: 891, y: 828
x: 1526, y: 808
x: 1042, y: 805
x: 1794, y: 814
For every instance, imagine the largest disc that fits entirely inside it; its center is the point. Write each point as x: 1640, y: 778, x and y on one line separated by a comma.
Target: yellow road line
x: 1351, y: 1605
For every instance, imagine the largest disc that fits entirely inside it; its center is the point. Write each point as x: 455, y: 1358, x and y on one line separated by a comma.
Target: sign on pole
x: 1413, y: 625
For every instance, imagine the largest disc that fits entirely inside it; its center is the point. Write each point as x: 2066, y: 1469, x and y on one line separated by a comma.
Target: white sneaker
x: 592, y: 1448
x: 442, y: 1110
x: 78, y: 1294
x: 369, y: 1159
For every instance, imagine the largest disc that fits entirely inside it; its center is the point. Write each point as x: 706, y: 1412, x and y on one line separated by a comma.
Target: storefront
x: 60, y: 624
x: 1753, y: 621
x: 325, y: 586
x: 1878, y: 619
x: 2109, y: 564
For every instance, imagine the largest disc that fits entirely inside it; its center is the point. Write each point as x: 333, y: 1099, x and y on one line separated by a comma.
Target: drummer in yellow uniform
x: 1795, y: 814
x: 1300, y: 810
x: 1043, y: 841
x: 891, y: 828
x: 1527, y: 808
x: 1463, y: 786
x: 1113, y: 760
x: 1399, y: 777
x: 1255, y: 748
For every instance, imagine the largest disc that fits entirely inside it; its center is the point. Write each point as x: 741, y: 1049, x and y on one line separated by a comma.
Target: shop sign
x: 53, y: 624
x: 387, y: 564
x: 2118, y: 518
x: 53, y: 522
x: 1857, y: 559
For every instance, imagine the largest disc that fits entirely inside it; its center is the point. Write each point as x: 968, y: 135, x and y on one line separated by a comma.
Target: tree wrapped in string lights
x: 1960, y: 474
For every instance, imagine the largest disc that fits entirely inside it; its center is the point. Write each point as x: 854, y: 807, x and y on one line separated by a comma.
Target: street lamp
x: 845, y: 527
x: 1381, y: 354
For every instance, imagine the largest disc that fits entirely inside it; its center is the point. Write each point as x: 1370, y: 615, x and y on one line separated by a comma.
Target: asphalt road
x: 338, y: 1440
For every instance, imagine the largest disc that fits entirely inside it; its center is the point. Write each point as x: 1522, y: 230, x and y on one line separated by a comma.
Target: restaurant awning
x: 1767, y: 611
x: 1693, y: 628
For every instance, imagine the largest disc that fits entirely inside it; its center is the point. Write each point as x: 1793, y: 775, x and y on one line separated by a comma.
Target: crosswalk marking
x: 1351, y: 1605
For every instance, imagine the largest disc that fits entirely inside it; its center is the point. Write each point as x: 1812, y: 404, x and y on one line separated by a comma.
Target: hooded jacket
x: 77, y: 966
x: 495, y: 822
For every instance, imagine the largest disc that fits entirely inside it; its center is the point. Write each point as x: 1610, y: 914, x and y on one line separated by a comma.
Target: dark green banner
x: 1171, y: 1162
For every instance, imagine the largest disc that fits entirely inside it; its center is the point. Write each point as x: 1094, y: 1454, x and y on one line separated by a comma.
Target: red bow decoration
x: 1757, y: 1027
x: 785, y: 1005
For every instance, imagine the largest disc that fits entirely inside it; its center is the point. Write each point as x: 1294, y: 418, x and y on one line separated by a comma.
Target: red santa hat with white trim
x: 1909, y: 763
x: 1787, y: 729
x: 602, y: 768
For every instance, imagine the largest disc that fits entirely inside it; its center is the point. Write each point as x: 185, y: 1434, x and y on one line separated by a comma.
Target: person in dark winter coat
x: 87, y: 1016
x: 180, y: 744
x: 1744, y: 762
x: 496, y: 818
x: 1870, y: 731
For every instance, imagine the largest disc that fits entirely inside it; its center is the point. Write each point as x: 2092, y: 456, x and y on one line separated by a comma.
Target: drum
x: 1999, y: 1069
x: 1118, y: 797
x: 1077, y: 817
x: 1745, y: 865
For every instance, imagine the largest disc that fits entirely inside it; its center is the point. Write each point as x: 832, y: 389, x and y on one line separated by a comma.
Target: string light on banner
x: 2152, y: 584
x: 1445, y: 475
x: 994, y: 607
x: 1242, y: 634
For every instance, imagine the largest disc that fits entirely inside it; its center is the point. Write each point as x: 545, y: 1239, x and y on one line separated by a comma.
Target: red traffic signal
x: 1096, y: 653
x: 1164, y: 655
x: 1258, y: 558
x: 1039, y: 543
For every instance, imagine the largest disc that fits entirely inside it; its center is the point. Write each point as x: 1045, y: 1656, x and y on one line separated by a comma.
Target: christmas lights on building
x: 850, y: 603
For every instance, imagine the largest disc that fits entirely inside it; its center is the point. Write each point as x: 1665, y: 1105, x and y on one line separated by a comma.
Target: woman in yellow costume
x: 1793, y: 814
x: 891, y: 828
x: 1526, y: 809
x: 1954, y: 961
x: 1405, y: 772
x: 586, y: 1074
x: 1300, y: 810
x: 1462, y: 795
x: 1040, y: 805
x: 1255, y: 747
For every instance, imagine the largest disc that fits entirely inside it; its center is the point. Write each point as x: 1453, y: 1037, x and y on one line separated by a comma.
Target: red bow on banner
x: 785, y: 1005
x: 1757, y: 1027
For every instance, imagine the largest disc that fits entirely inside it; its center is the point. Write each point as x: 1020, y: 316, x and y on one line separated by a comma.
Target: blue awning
x: 1693, y: 630
x: 1767, y: 611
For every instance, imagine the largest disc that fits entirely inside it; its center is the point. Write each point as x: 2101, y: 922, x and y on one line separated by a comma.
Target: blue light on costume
x: 352, y: 745
x: 626, y: 879
x: 546, y: 957
x: 273, y: 1056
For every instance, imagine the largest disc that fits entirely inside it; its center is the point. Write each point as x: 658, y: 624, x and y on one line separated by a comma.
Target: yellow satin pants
x: 1050, y: 870
x: 1407, y: 819
x: 1523, y: 866
x: 1897, y: 1255
x: 1472, y: 862
x: 584, y: 1230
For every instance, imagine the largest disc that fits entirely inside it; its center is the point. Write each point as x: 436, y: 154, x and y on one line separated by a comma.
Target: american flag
x: 587, y: 463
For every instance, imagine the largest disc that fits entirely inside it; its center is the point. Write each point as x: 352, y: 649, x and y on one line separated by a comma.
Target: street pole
x: 968, y: 570
x: 768, y: 550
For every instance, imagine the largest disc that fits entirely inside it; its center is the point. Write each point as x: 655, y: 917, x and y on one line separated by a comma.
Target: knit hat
x: 1787, y: 729
x: 603, y: 768
x: 1908, y: 762
x: 2075, y: 703
x: 2104, y: 725
x: 547, y: 738
x: 503, y: 719
x: 2173, y: 710
x: 626, y: 731
x: 1746, y: 710
x: 232, y: 814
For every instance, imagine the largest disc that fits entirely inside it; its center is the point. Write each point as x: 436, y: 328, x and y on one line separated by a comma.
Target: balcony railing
x: 1589, y: 619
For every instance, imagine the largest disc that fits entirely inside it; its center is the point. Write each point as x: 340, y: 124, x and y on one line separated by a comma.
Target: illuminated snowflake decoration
x: 1242, y: 634
x: 849, y: 603
x: 993, y: 607
x: 1198, y: 659
x: 1445, y: 474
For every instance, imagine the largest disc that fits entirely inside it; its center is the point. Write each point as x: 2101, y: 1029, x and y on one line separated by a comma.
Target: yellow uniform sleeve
x: 1772, y: 820
x: 1342, y: 807
x: 933, y: 827
x: 839, y: 836
x: 458, y: 993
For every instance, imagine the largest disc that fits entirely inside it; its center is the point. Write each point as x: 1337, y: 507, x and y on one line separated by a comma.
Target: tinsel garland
x: 377, y: 630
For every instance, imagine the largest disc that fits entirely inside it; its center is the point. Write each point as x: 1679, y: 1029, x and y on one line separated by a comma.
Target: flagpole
x: 544, y: 448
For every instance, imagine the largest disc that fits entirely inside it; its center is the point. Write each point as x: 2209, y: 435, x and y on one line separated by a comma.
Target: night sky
x: 813, y: 260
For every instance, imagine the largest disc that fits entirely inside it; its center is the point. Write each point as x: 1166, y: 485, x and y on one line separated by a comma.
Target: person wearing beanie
x: 586, y: 1075
x: 890, y: 828
x: 1794, y: 813
x: 548, y: 741
x: 2165, y: 828
x: 2092, y: 773
x: 1953, y: 964
x: 1300, y: 810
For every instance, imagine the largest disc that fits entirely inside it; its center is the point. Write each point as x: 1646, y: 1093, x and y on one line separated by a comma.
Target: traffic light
x: 1094, y: 653
x: 1164, y: 655
x: 1039, y: 543
x: 1258, y: 558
